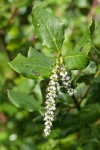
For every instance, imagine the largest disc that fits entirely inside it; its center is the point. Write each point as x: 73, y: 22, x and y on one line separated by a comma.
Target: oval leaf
x: 48, y: 27
x: 24, y: 100
x: 77, y: 58
x: 36, y: 66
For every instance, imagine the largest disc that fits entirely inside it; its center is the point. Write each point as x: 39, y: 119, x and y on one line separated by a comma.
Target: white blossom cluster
x: 65, y: 78
x: 50, y: 101
x: 59, y: 72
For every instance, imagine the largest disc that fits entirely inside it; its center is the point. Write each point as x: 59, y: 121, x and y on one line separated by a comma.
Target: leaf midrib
x: 49, y: 32
x: 76, y: 55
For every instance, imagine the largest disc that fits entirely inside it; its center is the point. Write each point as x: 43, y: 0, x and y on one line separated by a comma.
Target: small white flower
x: 45, y: 118
x: 50, y: 101
x: 70, y: 93
x: 67, y: 78
x: 61, y: 73
x: 54, y: 76
x: 62, y: 68
x: 52, y: 82
x: 48, y: 122
x: 47, y: 133
x: 48, y: 95
x: 47, y: 107
x: 52, y: 90
x: 52, y: 118
x: 69, y: 81
x: 45, y: 130
x: 54, y: 71
x: 47, y: 127
x: 53, y: 108
x: 47, y: 102
x: 65, y: 83
x: 50, y: 112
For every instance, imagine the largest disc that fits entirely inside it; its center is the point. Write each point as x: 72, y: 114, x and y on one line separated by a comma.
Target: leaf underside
x: 23, y: 100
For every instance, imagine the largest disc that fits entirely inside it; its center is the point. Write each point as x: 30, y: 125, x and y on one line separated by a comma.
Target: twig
x: 96, y: 49
x: 92, y: 10
x: 85, y: 93
x: 76, y: 103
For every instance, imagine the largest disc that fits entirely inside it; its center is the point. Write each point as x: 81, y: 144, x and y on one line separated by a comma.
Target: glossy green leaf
x: 24, y: 100
x: 96, y: 80
x: 78, y: 58
x: 86, y: 78
x: 89, y: 113
x: 87, y: 74
x: 48, y: 27
x: 35, y: 66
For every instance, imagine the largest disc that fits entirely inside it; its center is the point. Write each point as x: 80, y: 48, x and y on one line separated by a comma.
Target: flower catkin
x: 66, y: 82
x: 58, y: 73
x: 50, y: 100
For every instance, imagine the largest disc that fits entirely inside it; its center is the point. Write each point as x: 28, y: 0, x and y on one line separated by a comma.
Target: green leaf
x: 92, y: 27
x: 96, y: 80
x: 86, y: 116
x: 37, y: 65
x: 87, y: 74
x: 89, y: 113
x: 85, y: 78
x: 23, y: 100
x: 78, y: 58
x: 48, y: 27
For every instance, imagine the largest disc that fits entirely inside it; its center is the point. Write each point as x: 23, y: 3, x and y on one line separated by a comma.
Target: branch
x: 85, y: 93
x: 92, y: 10
x: 77, y: 104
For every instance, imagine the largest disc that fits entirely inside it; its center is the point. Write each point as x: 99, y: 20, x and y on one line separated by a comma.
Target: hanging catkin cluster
x: 66, y: 82
x: 50, y: 100
x: 59, y: 73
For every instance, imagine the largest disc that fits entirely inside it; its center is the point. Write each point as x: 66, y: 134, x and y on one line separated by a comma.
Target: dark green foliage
x: 77, y: 120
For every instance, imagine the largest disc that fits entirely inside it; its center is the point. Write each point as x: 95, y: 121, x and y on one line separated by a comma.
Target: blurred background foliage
x: 73, y: 129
